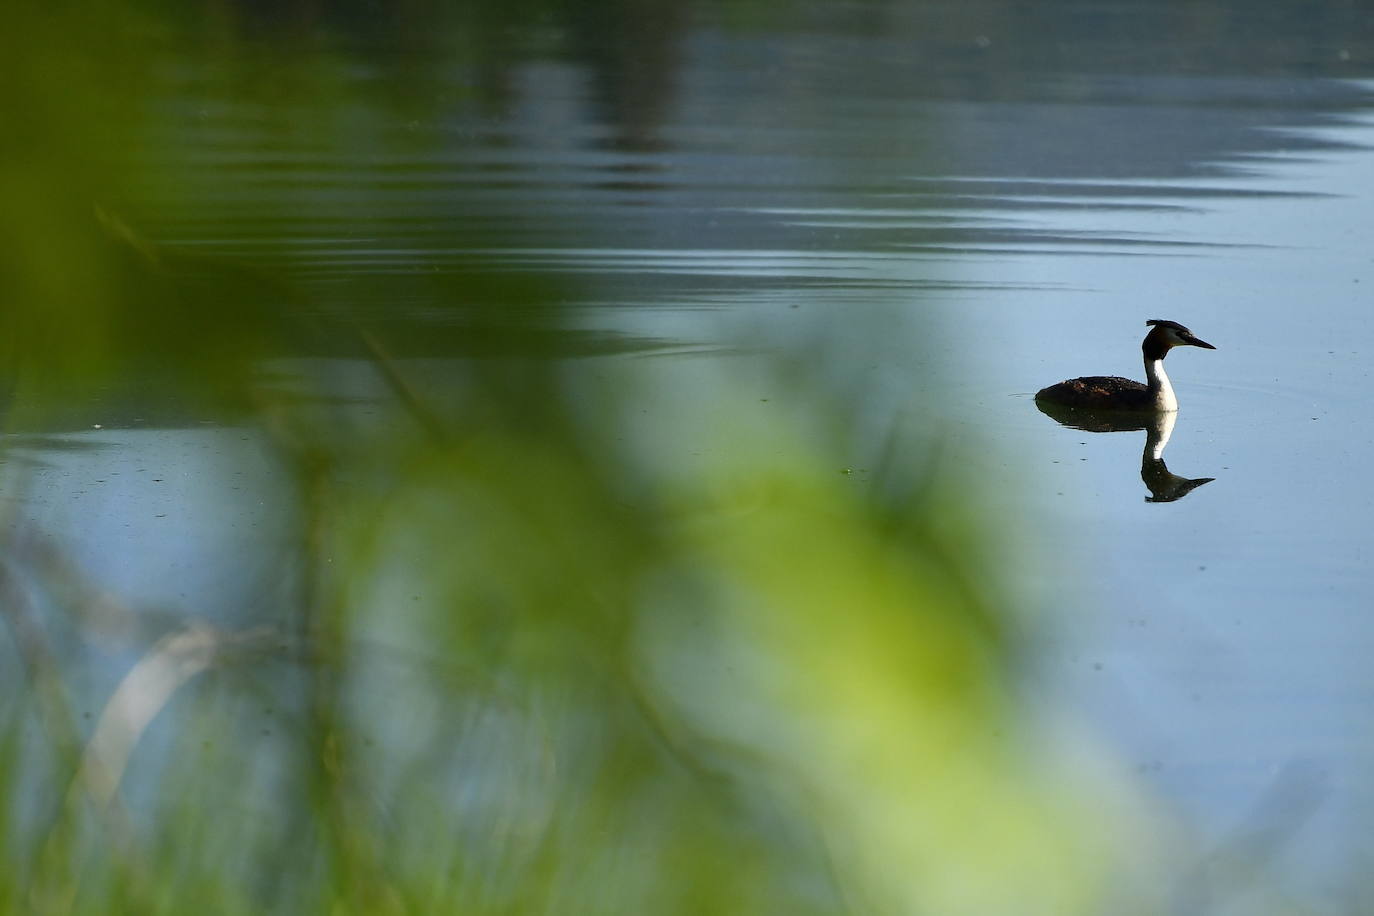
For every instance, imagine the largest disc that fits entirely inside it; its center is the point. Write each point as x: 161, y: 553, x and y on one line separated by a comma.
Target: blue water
x: 960, y: 227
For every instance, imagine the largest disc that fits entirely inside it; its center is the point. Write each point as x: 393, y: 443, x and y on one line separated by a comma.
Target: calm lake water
x: 966, y: 205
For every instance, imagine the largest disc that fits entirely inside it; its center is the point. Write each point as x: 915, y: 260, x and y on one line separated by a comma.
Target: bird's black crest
x: 1162, y: 323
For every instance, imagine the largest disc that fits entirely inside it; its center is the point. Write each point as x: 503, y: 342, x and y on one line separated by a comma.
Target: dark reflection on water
x: 1164, y: 486
x: 351, y: 560
x: 692, y: 135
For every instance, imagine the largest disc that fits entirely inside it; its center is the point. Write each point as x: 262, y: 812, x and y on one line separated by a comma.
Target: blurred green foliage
x: 510, y: 660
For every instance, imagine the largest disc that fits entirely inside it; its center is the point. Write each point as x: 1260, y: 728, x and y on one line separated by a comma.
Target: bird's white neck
x: 1159, y: 385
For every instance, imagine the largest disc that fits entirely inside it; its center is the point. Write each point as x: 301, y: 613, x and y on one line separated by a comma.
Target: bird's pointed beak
x: 1199, y: 342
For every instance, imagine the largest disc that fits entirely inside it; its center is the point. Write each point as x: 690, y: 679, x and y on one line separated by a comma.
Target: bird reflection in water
x: 1164, y: 485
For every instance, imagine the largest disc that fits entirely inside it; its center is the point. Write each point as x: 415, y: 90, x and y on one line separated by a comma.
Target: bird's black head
x: 1169, y: 334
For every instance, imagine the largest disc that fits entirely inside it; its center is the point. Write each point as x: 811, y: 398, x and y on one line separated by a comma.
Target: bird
x: 1110, y: 392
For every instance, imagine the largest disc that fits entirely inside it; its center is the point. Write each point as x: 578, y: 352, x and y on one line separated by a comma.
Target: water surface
x: 940, y: 209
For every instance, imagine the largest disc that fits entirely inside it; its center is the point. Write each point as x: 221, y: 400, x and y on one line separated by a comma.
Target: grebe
x: 1108, y: 392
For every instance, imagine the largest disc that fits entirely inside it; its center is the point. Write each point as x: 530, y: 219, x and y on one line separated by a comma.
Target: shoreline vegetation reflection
x: 489, y: 615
